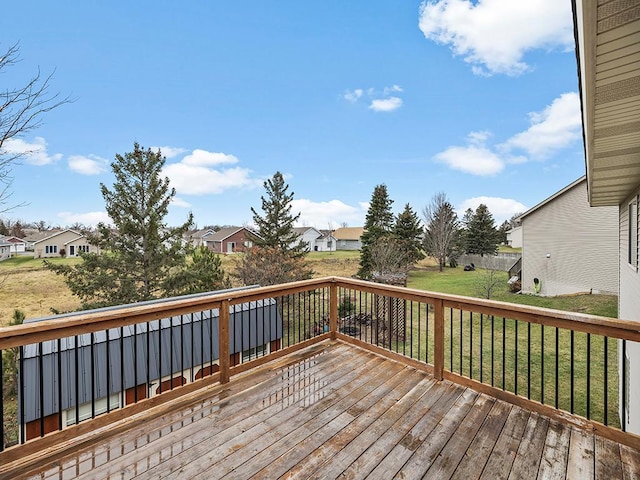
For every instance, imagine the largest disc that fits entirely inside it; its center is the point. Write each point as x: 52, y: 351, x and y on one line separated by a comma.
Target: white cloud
x: 89, y: 218
x: 501, y: 208
x: 392, y: 89
x: 169, y: 152
x: 556, y: 127
x: 180, y: 202
x: 208, y: 159
x: 353, y: 95
x: 194, y: 174
x: 389, y: 103
x: 34, y: 153
x: 474, y: 158
x: 89, y: 165
x: 494, y: 35
x: 386, y: 104
x: 553, y: 129
x: 321, y: 214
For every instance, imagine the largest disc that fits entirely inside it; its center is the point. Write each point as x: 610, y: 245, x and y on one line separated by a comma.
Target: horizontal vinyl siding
x: 629, y: 309
x: 582, y: 242
x: 629, y: 302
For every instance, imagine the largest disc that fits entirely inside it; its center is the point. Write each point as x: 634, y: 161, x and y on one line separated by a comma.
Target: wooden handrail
x: 66, y: 326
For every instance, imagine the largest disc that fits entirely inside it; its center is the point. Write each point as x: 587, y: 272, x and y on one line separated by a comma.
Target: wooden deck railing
x: 560, y: 364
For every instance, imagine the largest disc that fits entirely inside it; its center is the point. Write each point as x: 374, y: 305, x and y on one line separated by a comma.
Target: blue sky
x: 474, y: 99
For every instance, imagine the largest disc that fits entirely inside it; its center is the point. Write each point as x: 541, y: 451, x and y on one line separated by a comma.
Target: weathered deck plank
x: 527, y: 459
x: 581, y: 449
x: 477, y: 455
x: 342, y: 412
x: 553, y: 464
x: 501, y: 460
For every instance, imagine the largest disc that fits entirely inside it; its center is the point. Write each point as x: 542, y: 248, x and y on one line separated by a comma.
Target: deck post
x: 223, y: 341
x: 333, y: 310
x: 438, y: 339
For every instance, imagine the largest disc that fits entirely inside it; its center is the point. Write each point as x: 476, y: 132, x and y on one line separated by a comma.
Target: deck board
x: 341, y: 412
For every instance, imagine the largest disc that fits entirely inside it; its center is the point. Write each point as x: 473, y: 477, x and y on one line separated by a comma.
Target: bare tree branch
x: 21, y: 110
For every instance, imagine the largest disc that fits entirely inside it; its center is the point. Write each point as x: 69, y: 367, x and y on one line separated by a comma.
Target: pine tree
x: 502, y: 232
x: 442, y: 232
x: 276, y: 226
x: 140, y: 253
x: 482, y: 237
x: 465, y: 221
x: 279, y: 254
x: 408, y: 231
x: 378, y: 224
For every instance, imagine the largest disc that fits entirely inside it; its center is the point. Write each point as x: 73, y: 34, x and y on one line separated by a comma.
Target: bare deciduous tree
x: 488, y: 280
x: 388, y: 256
x: 21, y: 111
x: 442, y: 229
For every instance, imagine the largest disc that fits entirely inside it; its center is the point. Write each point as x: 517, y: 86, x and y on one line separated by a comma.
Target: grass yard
x: 26, y: 285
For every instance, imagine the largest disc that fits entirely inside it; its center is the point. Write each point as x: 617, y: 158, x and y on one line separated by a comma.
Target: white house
x: 608, y: 53
x: 18, y: 245
x: 569, y: 247
x: 316, y: 240
x: 514, y: 237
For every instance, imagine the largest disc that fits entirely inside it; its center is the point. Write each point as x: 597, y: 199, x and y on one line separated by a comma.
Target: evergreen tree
x: 140, y: 253
x: 203, y: 274
x: 465, y: 221
x: 276, y: 226
x: 442, y: 232
x: 502, y: 232
x: 378, y: 224
x: 408, y: 231
x: 270, y: 266
x: 482, y: 237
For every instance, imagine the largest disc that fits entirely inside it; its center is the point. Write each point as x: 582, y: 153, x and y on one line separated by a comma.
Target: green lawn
x: 458, y: 282
x: 27, y: 262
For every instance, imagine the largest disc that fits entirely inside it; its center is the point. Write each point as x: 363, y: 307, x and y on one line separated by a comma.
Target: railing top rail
x: 88, y: 322
x: 81, y: 323
x: 624, y: 329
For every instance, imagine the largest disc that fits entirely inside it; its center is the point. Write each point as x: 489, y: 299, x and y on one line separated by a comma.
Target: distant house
x: 18, y: 245
x: 514, y: 237
x: 199, y: 238
x: 182, y: 349
x: 348, y: 238
x: 327, y: 242
x: 231, y: 239
x: 33, y: 237
x: 68, y: 242
x: 568, y: 246
x: 5, y: 249
x: 316, y: 240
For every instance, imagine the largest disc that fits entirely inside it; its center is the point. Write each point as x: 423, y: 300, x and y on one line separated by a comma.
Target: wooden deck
x: 336, y: 411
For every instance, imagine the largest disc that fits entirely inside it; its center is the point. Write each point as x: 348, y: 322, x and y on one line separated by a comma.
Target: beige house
x: 608, y: 53
x: 568, y: 246
x: 69, y: 243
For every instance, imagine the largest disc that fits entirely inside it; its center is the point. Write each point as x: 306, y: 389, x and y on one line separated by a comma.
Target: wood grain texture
x: 337, y: 411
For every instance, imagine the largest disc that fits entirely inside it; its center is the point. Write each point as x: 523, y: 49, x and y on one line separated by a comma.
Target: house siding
x: 629, y: 309
x: 59, y: 241
x: 239, y: 238
x: 581, y: 242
